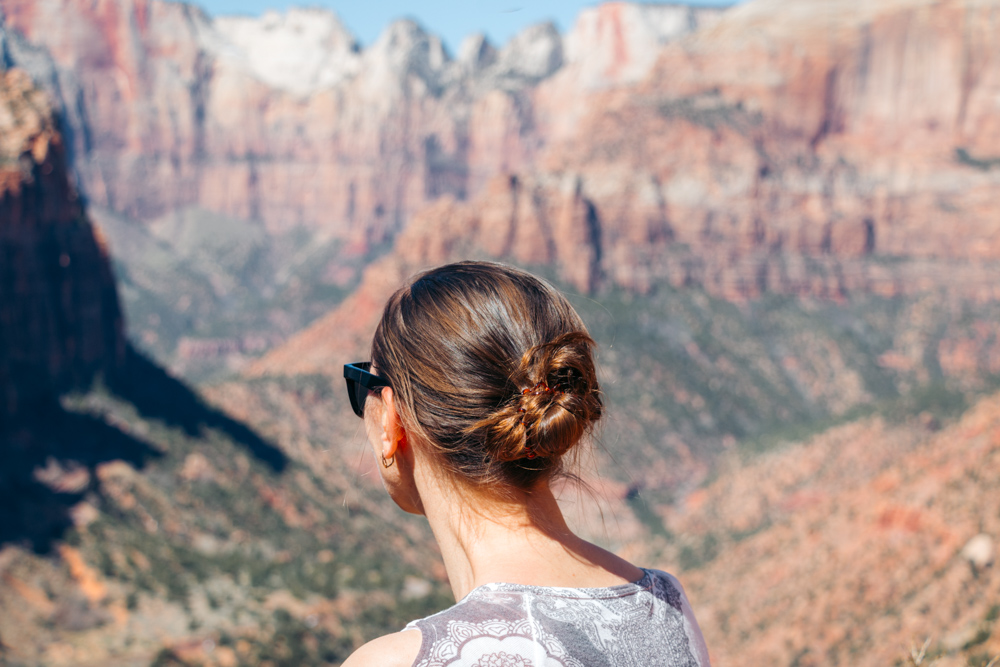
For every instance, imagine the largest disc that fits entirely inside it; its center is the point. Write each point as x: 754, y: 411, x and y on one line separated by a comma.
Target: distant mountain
x: 283, y: 118
x: 724, y: 141
x: 822, y: 149
x: 177, y: 121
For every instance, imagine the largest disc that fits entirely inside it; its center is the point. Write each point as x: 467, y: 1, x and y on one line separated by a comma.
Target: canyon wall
x: 762, y: 148
x: 59, y: 317
x: 819, y: 149
x: 285, y: 118
x: 822, y: 148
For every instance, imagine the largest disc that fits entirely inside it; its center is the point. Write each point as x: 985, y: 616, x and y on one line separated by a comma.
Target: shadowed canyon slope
x: 125, y: 496
x: 59, y: 318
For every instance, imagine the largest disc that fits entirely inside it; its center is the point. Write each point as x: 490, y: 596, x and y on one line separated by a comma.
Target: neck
x: 521, y: 540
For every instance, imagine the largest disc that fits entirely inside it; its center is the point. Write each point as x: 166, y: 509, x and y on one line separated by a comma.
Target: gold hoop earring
x: 387, y: 463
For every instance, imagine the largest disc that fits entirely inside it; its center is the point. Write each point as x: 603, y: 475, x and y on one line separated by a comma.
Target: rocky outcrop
x: 59, y: 317
x: 749, y: 150
x: 826, y: 150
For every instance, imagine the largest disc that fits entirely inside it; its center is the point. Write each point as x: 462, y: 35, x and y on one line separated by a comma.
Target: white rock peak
x: 534, y: 53
x: 618, y: 42
x: 300, y: 51
x: 305, y: 50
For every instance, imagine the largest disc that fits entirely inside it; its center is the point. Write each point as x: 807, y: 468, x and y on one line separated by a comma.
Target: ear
x: 393, y: 433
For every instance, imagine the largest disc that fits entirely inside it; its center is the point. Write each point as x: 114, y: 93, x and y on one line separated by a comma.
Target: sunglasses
x: 359, y: 382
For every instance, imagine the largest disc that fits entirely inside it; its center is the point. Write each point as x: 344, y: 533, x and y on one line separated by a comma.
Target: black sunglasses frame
x: 359, y: 382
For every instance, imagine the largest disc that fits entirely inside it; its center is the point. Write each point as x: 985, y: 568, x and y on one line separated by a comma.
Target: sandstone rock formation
x: 763, y: 148
x: 807, y: 150
x: 283, y: 118
x: 779, y: 149
x: 59, y: 317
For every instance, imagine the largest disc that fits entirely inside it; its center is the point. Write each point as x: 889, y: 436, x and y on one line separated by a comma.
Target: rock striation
x: 283, y: 118
x: 826, y: 150
x: 182, y: 110
x: 59, y: 317
x: 778, y: 149
x: 761, y: 148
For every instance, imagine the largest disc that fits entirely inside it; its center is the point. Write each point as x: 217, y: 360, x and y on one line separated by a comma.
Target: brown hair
x: 492, y: 368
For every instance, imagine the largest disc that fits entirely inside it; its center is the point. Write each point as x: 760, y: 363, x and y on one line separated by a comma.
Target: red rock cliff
x: 817, y: 148
x: 770, y: 147
x: 284, y: 118
x: 784, y: 148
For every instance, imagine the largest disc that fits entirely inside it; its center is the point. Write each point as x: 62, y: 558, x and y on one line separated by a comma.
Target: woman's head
x: 492, y: 369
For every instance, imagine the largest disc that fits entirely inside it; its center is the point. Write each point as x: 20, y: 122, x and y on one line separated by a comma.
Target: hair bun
x: 555, y: 402
x: 492, y: 373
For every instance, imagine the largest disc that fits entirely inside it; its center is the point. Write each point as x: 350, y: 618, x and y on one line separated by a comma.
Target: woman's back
x: 482, y: 380
x: 643, y: 624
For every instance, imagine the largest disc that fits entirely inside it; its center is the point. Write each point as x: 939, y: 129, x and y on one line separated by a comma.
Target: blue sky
x: 451, y: 19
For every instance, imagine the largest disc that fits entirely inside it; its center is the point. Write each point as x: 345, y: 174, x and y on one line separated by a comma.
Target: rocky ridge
x: 757, y: 150
x: 777, y: 150
x: 60, y: 323
x: 808, y: 151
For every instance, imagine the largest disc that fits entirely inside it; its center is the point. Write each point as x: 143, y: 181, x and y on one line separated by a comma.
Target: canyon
x: 759, y: 149
x: 746, y: 152
x: 779, y: 220
x: 286, y: 119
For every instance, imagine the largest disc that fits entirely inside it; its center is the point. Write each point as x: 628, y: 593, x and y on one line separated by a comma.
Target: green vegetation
x: 647, y: 515
x: 215, y: 533
x: 712, y: 111
x: 983, y: 164
x: 779, y: 369
x: 225, y: 282
x: 693, y: 556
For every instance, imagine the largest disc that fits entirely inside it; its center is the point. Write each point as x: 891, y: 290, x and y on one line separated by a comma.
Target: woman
x: 482, y: 380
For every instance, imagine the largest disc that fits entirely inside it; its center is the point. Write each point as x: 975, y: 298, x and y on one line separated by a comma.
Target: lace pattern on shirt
x: 509, y: 625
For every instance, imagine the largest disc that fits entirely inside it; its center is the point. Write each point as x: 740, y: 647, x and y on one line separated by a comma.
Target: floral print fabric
x: 644, y: 624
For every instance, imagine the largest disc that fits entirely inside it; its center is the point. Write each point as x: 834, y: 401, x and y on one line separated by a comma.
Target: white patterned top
x: 648, y: 623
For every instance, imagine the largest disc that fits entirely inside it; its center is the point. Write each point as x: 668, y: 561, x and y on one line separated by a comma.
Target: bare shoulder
x: 396, y: 650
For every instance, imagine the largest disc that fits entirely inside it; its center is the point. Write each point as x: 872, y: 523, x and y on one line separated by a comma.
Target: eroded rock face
x: 283, y: 118
x: 59, y: 316
x: 782, y: 148
x: 822, y: 150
